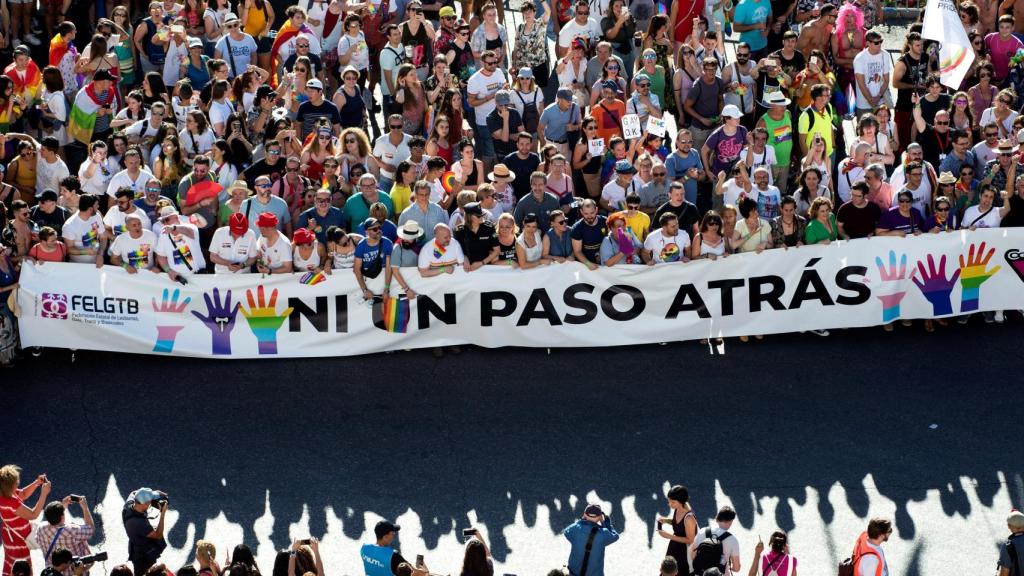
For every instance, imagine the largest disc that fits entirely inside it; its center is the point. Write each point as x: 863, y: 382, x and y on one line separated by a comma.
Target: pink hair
x: 841, y: 19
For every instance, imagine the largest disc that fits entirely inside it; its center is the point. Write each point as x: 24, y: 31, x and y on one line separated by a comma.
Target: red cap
x: 238, y: 223
x: 302, y: 237
x: 267, y: 220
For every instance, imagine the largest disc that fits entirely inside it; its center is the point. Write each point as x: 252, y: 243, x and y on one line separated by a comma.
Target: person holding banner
x: 178, y: 251
x: 133, y: 249
x: 84, y: 233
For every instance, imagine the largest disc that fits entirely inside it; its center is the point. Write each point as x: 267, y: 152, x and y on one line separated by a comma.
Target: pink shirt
x: 1000, y: 51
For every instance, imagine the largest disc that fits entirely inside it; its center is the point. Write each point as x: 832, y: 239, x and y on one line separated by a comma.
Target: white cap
x: 731, y: 111
x: 314, y: 83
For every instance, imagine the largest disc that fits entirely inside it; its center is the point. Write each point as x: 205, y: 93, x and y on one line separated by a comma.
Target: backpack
x: 709, y: 552
x: 812, y: 116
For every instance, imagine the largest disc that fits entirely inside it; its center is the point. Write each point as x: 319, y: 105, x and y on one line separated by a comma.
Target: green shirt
x: 816, y: 231
x: 780, y: 137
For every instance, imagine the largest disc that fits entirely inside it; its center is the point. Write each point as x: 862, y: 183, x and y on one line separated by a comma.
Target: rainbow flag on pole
x: 391, y: 314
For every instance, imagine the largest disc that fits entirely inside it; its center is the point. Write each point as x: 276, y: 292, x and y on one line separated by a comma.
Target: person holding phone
x: 684, y: 525
x: 589, y: 536
x: 381, y: 558
x: 477, y: 559
x: 57, y: 533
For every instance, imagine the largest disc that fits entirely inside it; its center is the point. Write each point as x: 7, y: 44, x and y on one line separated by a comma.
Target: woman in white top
x: 222, y: 166
x: 1001, y: 113
x: 709, y: 242
x: 341, y: 250
x: 130, y: 114
x: 753, y: 234
x: 305, y: 251
x: 531, y: 244
x: 816, y: 158
x: 572, y: 71
x: 984, y: 214
x: 810, y: 187
x: 881, y: 149
x: 54, y: 106
x: 196, y: 138
x: 220, y: 108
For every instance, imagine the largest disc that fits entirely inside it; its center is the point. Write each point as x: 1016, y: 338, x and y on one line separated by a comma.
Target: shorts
x: 264, y: 45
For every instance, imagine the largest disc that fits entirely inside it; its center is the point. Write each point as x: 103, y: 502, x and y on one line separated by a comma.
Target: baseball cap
x: 384, y: 527
x: 640, y: 77
x: 446, y: 11
x: 525, y: 72
x: 238, y: 223
x: 473, y: 208
x: 731, y: 111
x: 23, y: 50
x: 195, y: 43
x: 503, y: 97
x: 102, y: 75
x: 594, y: 509
x: 314, y: 83
x: 564, y: 94
x: 144, y: 495
x: 624, y: 167
x: 167, y: 212
x: 611, y: 85
x: 370, y: 223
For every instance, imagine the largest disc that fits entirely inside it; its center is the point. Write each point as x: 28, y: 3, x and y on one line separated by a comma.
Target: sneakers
x: 888, y: 327
x: 999, y: 317
x: 963, y: 319
x: 821, y: 333
x: 989, y: 317
x: 31, y: 39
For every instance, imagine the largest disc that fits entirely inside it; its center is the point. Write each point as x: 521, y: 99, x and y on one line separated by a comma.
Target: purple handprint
x: 934, y: 285
x: 220, y: 319
x: 165, y: 335
x: 892, y: 276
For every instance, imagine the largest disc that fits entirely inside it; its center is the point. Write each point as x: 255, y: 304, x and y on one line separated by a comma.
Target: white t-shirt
x: 482, y: 86
x: 873, y: 67
x: 241, y: 53
x: 202, y: 143
x: 391, y: 57
x: 452, y: 255
x: 57, y: 105
x: 846, y: 179
x: 572, y: 29
x: 175, y: 55
x: 136, y: 252
x: 235, y: 250
x: 971, y: 217
x: 219, y: 112
x: 388, y: 153
x: 48, y: 176
x: 122, y: 179
x: 730, y: 546
x: 922, y: 194
x: 766, y: 159
x: 665, y: 249
x: 276, y: 255
x: 615, y: 194
x: 114, y: 219
x: 78, y: 233
x: 733, y: 192
x: 181, y: 111
x: 360, y: 59
x: 97, y: 185
x: 188, y: 250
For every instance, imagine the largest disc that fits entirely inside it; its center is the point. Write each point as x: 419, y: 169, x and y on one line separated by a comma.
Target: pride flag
x: 58, y: 48
x: 391, y: 314
x: 82, y: 119
x: 28, y: 86
x: 312, y: 278
x: 286, y: 33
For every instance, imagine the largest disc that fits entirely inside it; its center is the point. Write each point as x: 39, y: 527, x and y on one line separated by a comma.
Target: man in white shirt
x: 84, y: 233
x: 115, y: 218
x: 442, y: 255
x: 667, y: 244
x: 730, y: 560
x: 392, y: 55
x: 582, y: 25
x: 178, y: 251
x: 274, y: 251
x: 133, y: 250
x: 390, y: 149
x: 237, y: 48
x: 50, y: 168
x: 851, y: 170
x: 233, y: 247
x: 143, y: 132
x: 613, y: 195
x: 133, y: 176
x: 481, y: 90
x: 871, y: 68
x: 97, y: 171
x: 768, y: 197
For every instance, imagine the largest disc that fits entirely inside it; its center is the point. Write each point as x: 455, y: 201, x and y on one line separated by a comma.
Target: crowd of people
x: 378, y: 137
x: 691, y: 550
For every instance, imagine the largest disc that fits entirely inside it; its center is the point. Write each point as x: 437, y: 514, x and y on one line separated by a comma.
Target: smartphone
x: 306, y: 542
x: 814, y: 60
x: 177, y: 29
x: 75, y: 498
x: 419, y: 560
x: 468, y: 533
x: 769, y: 63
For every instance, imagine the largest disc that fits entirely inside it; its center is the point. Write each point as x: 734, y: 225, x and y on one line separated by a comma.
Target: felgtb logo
x: 55, y: 306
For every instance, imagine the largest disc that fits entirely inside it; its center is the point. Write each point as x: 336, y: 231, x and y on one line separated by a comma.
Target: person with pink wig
x: 848, y: 42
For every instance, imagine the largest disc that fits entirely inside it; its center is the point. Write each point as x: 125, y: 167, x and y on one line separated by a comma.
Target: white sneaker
x: 821, y: 333
x: 1000, y: 318
x: 31, y: 39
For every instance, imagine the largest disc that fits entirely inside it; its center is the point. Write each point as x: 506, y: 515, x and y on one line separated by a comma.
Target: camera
x: 162, y: 500
x: 97, y: 557
x: 306, y: 542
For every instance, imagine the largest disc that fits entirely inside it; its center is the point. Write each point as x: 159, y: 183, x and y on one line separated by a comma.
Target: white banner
x: 845, y: 284
x: 942, y: 23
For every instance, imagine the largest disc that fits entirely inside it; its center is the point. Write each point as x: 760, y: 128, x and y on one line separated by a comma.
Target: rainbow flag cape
x: 286, y: 33
x: 392, y: 314
x: 58, y: 48
x: 312, y: 278
x: 28, y: 88
x: 82, y: 119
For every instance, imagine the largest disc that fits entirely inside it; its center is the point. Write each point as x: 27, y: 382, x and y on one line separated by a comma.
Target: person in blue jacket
x: 593, y: 531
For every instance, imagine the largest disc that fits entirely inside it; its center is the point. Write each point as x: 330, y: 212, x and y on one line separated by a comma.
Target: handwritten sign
x: 596, y: 146
x: 631, y: 126
x: 656, y: 126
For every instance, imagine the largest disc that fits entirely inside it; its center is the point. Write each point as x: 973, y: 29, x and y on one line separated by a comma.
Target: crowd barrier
x: 842, y: 285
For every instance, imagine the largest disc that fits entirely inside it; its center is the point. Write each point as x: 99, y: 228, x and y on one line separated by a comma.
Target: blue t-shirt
x: 335, y: 217
x: 240, y: 54
x: 376, y: 559
x: 373, y: 257
x: 752, y: 12
x: 591, y: 236
x: 676, y: 166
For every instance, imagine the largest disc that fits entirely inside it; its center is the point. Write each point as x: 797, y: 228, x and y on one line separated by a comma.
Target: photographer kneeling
x: 145, y: 542
x: 65, y: 562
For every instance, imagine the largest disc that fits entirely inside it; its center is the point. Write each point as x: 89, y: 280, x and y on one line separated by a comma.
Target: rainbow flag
x: 783, y: 133
x: 82, y: 119
x: 29, y: 86
x: 137, y: 257
x: 325, y: 183
x: 439, y: 250
x: 394, y: 315
x: 90, y: 238
x: 286, y: 33
x: 58, y: 48
x: 312, y: 278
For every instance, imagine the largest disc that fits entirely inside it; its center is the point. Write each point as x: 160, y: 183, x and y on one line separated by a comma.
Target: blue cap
x: 370, y: 223
x: 144, y: 495
x: 624, y: 167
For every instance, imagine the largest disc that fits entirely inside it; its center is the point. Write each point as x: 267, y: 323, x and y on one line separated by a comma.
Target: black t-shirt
x: 916, y: 71
x: 138, y: 528
x: 685, y: 212
x: 515, y: 125
x: 791, y: 66
x: 54, y: 219
x: 623, y: 43
x: 522, y: 169
x: 261, y: 168
x: 477, y: 246
x: 859, y: 222
x: 934, y: 145
x: 308, y: 113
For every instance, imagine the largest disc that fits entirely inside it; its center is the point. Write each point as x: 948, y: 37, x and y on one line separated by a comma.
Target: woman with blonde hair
x: 507, y: 232
x: 355, y: 149
x: 15, y: 516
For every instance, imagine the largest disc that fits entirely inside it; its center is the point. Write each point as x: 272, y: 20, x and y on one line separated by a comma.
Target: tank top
x: 746, y: 81
x: 780, y: 137
x: 533, y: 253
x: 445, y: 152
x: 343, y: 261
x: 123, y: 51
x: 709, y: 249
x: 678, y: 550
x: 154, y: 52
x: 916, y: 70
x: 255, y: 21
x: 422, y: 46
x: 302, y: 264
x: 352, y: 112
x: 316, y: 10
x: 593, y: 166
x: 472, y: 175
x: 26, y: 173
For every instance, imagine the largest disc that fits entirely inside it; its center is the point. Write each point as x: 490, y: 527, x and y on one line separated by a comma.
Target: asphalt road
x: 808, y: 434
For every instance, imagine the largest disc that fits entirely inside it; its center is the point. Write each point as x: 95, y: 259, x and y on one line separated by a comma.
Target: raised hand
x: 892, y: 280
x: 263, y: 319
x: 165, y: 334
x: 973, y: 275
x: 220, y: 319
x: 934, y: 285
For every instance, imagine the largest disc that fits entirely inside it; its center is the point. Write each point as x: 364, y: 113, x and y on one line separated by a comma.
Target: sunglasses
x: 644, y: 85
x: 946, y: 209
x: 395, y: 126
x: 263, y: 185
x: 490, y: 62
x: 273, y: 152
x: 875, y: 42
x: 447, y: 17
x: 937, y: 123
x: 374, y: 229
x: 302, y: 45
x: 661, y: 174
x: 905, y: 201
x: 562, y: 221
x: 991, y: 134
x: 152, y: 189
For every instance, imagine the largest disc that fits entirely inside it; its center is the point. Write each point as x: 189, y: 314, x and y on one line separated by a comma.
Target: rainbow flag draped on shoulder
x: 286, y: 33
x: 82, y: 120
x: 29, y: 86
x: 58, y: 48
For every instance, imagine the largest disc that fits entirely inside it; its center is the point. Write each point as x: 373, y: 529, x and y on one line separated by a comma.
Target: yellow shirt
x: 255, y: 21
x: 639, y: 223
x: 822, y: 125
x: 401, y: 198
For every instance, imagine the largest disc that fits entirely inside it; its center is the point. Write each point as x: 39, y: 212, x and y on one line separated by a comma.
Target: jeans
x: 484, y: 142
